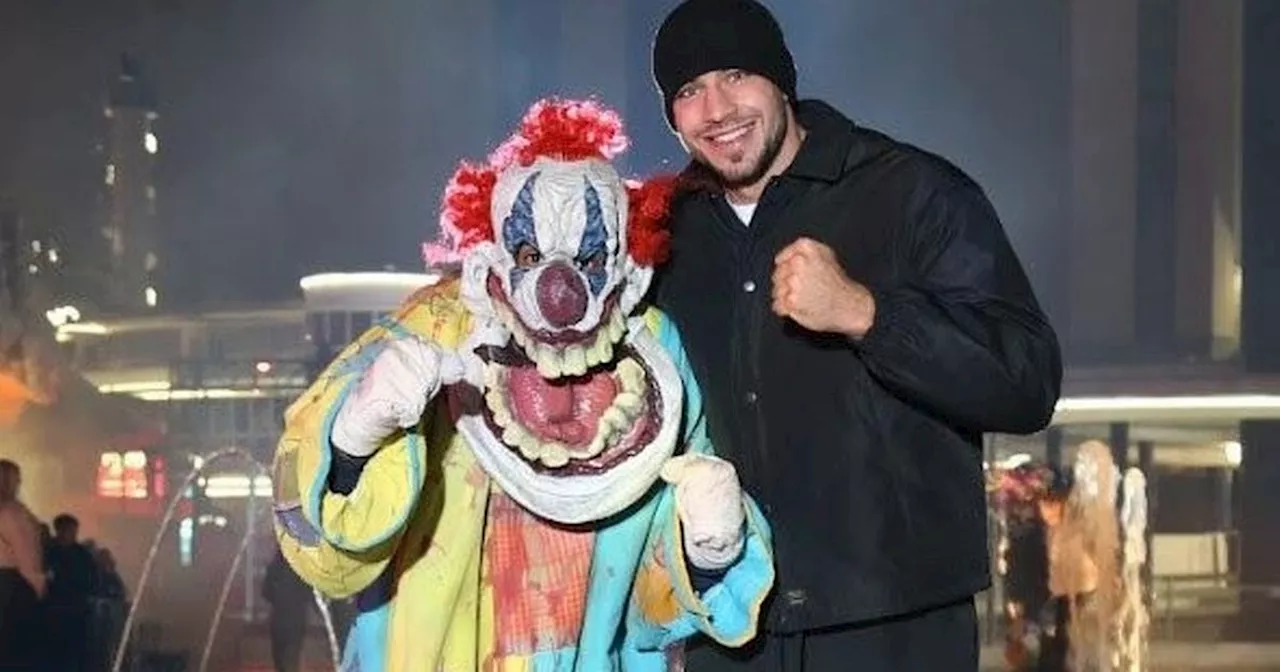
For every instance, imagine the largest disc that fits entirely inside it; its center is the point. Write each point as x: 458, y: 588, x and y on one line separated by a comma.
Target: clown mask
x: 580, y: 406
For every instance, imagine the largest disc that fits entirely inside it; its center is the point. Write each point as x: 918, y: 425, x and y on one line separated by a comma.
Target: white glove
x: 709, y: 503
x: 394, y: 391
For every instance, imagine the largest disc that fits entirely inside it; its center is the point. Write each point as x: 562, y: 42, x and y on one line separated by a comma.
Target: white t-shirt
x: 744, y: 211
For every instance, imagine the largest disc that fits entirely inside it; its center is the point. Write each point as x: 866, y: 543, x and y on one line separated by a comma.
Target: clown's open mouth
x: 573, y: 425
x: 562, y: 353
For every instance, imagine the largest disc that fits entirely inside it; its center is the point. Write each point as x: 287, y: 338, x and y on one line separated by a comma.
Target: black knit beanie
x: 704, y: 35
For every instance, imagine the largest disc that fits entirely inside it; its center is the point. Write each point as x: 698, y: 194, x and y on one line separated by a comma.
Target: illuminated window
x: 135, y: 475
x: 111, y: 475
x: 53, y: 256
x: 237, y: 486
x: 151, y: 142
x: 186, y: 541
x: 125, y: 476
x: 110, y: 179
x: 151, y: 297
x: 35, y: 246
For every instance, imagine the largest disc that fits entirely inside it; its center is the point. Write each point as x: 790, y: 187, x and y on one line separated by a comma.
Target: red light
x: 159, y: 478
x: 110, y: 480
x: 135, y: 475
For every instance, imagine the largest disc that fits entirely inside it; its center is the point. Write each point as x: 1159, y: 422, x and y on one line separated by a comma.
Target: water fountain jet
x: 165, y: 521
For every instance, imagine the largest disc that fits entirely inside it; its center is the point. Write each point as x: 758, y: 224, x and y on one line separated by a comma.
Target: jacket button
x: 796, y: 598
x: 749, y: 286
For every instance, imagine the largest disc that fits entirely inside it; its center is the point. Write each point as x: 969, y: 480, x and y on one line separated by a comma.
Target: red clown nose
x: 562, y: 296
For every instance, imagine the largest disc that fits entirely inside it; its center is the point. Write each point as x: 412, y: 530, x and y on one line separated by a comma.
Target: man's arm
x: 19, y: 532
x: 965, y: 336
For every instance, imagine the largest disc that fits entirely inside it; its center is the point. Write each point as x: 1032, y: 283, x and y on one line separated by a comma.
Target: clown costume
x: 513, y: 471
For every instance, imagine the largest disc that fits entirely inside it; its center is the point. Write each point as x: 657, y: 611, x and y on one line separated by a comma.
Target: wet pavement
x: 1188, y: 656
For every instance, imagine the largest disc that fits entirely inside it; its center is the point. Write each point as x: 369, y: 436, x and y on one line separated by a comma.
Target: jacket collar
x: 826, y: 144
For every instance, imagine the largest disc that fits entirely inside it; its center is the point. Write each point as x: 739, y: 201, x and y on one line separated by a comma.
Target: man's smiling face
x: 732, y: 121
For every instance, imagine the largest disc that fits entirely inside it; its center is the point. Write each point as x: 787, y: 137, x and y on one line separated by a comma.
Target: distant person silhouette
x: 73, y: 581
x: 290, y: 601
x: 22, y: 580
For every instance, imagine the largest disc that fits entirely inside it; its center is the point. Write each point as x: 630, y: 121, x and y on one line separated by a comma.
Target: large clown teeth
x: 612, y: 425
x: 575, y: 360
x: 572, y: 360
x: 548, y: 361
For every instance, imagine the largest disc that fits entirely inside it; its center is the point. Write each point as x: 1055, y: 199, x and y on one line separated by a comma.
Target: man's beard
x: 768, y: 154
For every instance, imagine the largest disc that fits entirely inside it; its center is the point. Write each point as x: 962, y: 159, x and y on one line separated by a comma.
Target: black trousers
x: 20, y: 624
x: 69, y: 625
x: 288, y: 638
x: 943, y: 639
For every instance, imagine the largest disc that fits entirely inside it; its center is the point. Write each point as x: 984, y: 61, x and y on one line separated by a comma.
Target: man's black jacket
x: 866, y: 456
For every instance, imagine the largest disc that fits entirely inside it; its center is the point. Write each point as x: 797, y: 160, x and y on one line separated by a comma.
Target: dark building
x: 129, y: 227
x: 1259, y: 499
x: 12, y: 282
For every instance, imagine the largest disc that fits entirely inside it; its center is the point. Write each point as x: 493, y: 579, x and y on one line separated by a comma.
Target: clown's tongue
x: 566, y: 410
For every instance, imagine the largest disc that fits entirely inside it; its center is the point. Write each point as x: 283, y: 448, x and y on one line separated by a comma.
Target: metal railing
x: 1190, y: 608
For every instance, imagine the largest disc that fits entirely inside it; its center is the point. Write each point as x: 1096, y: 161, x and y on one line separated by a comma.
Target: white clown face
x: 581, y: 405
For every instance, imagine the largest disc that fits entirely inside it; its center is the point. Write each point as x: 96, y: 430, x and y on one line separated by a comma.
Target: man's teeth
x: 725, y: 138
x: 613, y: 424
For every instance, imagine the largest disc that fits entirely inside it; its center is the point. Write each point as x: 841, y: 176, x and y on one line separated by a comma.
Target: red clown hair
x: 566, y: 130
x: 648, y: 204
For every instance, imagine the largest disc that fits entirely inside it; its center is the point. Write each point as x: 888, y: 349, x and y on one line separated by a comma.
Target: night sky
x: 308, y: 135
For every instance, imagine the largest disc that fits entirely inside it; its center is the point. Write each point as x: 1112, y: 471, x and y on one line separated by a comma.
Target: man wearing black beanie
x: 858, y: 320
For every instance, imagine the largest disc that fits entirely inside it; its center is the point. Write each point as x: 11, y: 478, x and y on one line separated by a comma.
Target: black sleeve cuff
x: 888, y: 304
x: 344, y: 471
x: 703, y: 579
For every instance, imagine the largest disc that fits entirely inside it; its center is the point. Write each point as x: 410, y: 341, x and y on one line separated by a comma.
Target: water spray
x: 321, y: 604
x: 327, y: 616
x: 167, y: 520
x: 222, y: 601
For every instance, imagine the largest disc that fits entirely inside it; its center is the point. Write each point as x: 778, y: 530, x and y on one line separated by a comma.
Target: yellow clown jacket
x: 449, y: 574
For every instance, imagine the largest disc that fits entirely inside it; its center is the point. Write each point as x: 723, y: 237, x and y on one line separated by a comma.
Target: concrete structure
x: 227, y: 376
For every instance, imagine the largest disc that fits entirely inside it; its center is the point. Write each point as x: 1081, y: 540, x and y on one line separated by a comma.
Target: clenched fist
x: 709, y: 503
x: 811, y: 288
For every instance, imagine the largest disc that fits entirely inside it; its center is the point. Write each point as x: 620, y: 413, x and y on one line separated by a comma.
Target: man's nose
x: 716, y: 104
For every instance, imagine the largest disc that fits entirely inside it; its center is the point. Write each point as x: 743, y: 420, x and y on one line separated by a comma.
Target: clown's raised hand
x: 394, y: 391
x: 709, y: 503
